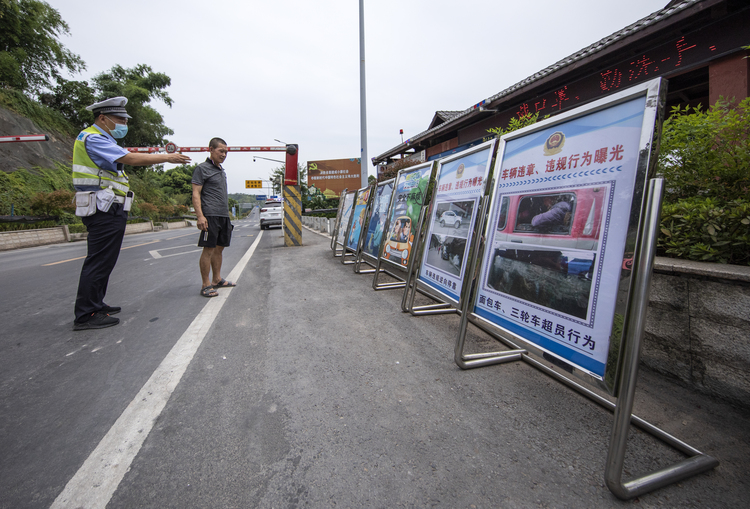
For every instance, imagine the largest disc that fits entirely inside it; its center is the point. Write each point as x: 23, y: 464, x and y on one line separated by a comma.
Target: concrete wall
x: 56, y: 235
x: 139, y: 228
x: 171, y: 226
x: 698, y: 327
x: 320, y: 224
x: 30, y: 238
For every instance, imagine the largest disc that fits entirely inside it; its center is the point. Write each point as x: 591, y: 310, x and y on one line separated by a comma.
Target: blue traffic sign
x: 260, y: 197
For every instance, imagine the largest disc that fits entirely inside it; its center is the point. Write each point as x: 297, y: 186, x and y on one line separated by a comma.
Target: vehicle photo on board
x: 271, y: 214
x: 450, y: 218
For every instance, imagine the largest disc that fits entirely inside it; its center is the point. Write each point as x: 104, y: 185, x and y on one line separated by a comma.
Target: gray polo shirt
x: 214, y: 200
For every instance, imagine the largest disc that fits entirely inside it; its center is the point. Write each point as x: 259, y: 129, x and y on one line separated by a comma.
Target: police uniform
x: 95, y: 153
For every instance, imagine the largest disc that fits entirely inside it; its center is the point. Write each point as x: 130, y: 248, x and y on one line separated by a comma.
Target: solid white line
x: 96, y: 481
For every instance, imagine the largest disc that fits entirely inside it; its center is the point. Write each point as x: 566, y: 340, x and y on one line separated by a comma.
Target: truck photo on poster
x: 557, y: 231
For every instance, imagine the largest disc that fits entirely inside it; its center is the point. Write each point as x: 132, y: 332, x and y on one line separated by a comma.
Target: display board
x: 461, y: 181
x: 346, y: 212
x: 378, y: 216
x: 564, y: 211
x: 358, y: 219
x: 329, y: 178
x: 408, y: 198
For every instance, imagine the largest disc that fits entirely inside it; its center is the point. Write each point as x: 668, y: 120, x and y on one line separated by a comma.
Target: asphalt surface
x: 310, y: 389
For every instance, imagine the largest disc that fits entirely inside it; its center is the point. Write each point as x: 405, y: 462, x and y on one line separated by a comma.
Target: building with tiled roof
x: 697, y: 45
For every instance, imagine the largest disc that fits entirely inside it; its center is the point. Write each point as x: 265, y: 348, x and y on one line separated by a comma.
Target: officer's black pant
x: 106, y: 230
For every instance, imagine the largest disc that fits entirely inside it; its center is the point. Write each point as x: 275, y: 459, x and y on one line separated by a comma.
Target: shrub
x: 166, y: 210
x: 14, y: 227
x: 54, y: 203
x: 516, y: 123
x: 706, y: 154
x: 77, y: 228
x: 145, y: 209
x: 706, y: 229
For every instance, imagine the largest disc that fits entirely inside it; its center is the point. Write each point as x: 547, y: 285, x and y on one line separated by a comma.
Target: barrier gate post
x: 292, y: 200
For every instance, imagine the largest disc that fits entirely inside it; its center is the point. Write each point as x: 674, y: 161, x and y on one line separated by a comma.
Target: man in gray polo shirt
x: 211, y: 205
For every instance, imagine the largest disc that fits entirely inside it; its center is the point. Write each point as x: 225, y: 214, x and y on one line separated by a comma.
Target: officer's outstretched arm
x: 136, y: 159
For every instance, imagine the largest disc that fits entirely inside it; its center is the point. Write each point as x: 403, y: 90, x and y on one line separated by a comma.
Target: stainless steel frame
x: 349, y: 252
x: 444, y: 303
x: 379, y: 266
x: 646, y: 232
x: 696, y: 462
x: 343, y: 253
x: 362, y: 256
x: 335, y: 234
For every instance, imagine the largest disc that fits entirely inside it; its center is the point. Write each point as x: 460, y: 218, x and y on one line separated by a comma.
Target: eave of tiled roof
x: 441, y: 117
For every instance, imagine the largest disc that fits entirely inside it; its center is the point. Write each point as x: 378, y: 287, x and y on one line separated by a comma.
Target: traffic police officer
x: 98, y: 165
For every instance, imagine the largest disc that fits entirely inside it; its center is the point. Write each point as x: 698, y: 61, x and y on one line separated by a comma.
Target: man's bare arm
x: 202, y: 221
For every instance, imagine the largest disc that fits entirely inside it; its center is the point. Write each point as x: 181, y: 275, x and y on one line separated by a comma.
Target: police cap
x: 114, y: 106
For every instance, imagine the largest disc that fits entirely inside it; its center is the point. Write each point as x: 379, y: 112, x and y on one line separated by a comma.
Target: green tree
x: 31, y: 55
x: 516, y: 123
x: 178, y: 180
x: 231, y: 202
x: 70, y: 98
x: 140, y: 85
x: 277, y: 175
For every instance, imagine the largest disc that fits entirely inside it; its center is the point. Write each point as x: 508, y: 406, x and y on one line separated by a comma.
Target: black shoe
x: 110, y: 310
x: 96, y: 321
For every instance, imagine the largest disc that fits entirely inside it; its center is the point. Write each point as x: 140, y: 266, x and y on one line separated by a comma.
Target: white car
x: 450, y: 218
x: 271, y: 214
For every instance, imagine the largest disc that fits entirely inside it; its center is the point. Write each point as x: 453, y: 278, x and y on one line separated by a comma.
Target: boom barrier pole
x: 292, y: 200
x: 24, y: 137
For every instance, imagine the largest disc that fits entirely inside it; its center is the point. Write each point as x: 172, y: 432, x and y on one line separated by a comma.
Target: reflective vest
x: 87, y: 174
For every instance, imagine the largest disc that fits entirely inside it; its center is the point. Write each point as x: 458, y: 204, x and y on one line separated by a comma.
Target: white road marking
x: 96, y: 481
x: 155, y: 253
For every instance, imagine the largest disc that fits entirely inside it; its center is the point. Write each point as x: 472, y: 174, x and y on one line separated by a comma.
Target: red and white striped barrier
x: 25, y: 137
x: 171, y: 148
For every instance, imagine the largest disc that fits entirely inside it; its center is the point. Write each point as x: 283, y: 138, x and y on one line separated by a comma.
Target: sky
x: 252, y: 72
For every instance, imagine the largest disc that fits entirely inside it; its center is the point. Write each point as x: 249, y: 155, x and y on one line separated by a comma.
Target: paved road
x: 302, y: 387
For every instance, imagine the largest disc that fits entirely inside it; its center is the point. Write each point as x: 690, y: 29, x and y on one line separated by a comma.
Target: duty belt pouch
x: 104, y: 199
x: 85, y: 203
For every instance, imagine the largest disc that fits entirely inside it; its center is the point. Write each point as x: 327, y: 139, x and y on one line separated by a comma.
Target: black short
x: 219, y: 232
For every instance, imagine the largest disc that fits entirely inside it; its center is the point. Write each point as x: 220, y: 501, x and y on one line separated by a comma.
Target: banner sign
x: 408, y: 198
x: 460, y: 184
x: 346, y: 211
x: 378, y: 215
x: 330, y: 177
x: 557, y: 230
x: 360, y: 206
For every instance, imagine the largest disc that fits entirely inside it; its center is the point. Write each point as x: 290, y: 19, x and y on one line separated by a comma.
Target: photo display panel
x: 557, y: 229
x: 360, y: 207
x: 378, y: 215
x: 409, y: 196
x: 346, y: 212
x: 460, y: 184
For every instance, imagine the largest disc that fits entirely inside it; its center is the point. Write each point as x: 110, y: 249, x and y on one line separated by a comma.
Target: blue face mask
x: 119, y: 131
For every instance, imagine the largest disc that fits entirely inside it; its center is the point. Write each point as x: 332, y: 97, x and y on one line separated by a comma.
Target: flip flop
x: 224, y: 284
x: 209, y: 292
